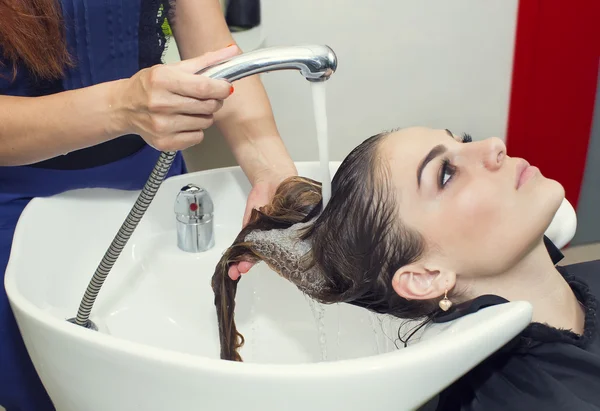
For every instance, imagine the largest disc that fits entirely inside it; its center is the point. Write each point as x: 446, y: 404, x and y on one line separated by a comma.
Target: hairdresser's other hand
x: 170, y: 106
x: 261, y: 194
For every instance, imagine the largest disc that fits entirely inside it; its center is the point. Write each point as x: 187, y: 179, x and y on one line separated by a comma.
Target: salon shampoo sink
x: 157, y: 344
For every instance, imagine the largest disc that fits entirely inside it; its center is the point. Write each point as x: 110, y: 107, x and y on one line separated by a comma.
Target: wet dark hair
x: 358, y: 242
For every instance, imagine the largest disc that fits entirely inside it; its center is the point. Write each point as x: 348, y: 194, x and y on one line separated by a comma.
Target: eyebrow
x: 436, y: 151
x: 449, y: 133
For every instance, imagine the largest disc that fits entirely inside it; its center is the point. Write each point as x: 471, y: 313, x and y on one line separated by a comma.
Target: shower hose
x: 142, y: 203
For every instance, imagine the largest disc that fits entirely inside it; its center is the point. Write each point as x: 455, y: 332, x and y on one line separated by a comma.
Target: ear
x: 419, y: 282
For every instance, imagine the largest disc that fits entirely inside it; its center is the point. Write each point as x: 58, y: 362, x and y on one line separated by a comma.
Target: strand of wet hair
x: 429, y: 319
x: 277, y: 215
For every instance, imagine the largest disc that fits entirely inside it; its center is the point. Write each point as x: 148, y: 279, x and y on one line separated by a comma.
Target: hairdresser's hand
x: 261, y: 194
x: 170, y: 106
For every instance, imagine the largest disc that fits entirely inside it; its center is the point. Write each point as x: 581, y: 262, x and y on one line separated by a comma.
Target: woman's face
x: 479, y: 210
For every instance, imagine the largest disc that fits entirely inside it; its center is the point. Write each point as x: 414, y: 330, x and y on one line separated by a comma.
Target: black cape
x: 543, y: 368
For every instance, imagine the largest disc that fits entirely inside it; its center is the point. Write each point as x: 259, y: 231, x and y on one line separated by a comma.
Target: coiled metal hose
x: 142, y: 203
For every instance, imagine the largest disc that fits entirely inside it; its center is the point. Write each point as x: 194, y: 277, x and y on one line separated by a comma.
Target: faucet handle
x: 194, y: 214
x: 193, y: 205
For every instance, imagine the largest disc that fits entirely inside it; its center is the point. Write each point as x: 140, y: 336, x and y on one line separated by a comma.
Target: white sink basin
x: 157, y: 345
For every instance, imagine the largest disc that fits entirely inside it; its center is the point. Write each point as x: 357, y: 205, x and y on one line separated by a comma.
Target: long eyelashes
x: 447, y: 171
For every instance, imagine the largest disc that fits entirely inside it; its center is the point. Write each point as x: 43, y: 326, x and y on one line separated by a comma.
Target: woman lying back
x: 423, y: 224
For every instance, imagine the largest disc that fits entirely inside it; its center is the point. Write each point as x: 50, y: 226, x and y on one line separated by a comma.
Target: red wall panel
x: 556, y: 62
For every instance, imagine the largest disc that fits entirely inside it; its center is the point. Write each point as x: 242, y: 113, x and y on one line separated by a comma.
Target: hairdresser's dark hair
x: 358, y: 242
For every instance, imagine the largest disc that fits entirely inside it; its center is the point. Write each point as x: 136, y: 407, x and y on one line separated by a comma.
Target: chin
x: 555, y: 193
x: 551, y: 195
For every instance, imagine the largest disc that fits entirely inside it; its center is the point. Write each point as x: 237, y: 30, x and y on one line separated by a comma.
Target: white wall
x: 436, y: 63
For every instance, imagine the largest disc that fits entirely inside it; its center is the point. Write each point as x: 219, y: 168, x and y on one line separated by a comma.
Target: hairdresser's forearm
x: 34, y: 129
x: 246, y: 119
x: 247, y: 124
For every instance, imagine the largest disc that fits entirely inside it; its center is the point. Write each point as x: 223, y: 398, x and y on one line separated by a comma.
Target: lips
x: 522, y: 165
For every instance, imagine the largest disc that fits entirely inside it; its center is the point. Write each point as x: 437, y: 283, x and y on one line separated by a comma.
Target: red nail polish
x: 230, y: 90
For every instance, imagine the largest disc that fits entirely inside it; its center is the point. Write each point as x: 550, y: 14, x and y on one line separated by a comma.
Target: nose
x: 493, y: 152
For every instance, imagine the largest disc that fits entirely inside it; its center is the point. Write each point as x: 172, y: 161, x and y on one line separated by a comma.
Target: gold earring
x: 445, y: 304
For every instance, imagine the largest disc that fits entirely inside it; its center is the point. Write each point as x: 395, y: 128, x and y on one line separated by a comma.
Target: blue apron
x: 110, y: 39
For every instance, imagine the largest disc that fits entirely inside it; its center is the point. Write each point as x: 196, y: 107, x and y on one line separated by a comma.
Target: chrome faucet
x: 194, y: 218
x: 315, y: 63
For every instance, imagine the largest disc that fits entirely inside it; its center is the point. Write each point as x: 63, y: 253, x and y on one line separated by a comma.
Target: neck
x: 535, y: 279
